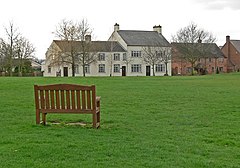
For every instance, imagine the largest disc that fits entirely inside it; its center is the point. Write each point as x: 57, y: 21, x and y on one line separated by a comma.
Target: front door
x: 65, y: 71
x: 148, y: 71
x: 123, y: 70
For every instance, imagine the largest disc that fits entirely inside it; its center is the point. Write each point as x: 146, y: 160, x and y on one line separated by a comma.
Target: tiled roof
x: 211, y: 49
x: 143, y: 38
x: 236, y: 44
x: 96, y: 46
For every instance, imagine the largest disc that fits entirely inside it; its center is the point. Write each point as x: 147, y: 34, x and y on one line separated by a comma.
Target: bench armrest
x: 98, y: 98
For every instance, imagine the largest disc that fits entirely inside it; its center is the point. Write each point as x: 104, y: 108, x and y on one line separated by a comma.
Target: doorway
x: 65, y: 71
x: 123, y: 70
x: 148, y: 71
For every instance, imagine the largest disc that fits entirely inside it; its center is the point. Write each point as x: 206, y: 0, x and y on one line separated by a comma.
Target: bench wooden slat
x: 68, y: 99
x: 42, y: 99
x: 78, y: 99
x: 83, y: 100
x: 47, y: 99
x: 52, y: 99
x: 73, y: 99
x: 88, y: 99
x: 62, y: 99
x: 57, y: 99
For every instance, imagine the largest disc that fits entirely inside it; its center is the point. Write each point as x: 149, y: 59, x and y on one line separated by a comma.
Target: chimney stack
x: 227, y: 38
x: 157, y: 29
x: 88, y: 38
x: 116, y: 27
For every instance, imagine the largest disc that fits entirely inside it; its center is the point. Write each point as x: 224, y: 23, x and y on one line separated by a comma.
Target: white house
x: 134, y: 42
x: 121, y: 55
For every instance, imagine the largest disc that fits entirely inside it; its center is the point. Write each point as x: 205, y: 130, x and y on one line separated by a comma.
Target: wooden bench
x: 67, y: 98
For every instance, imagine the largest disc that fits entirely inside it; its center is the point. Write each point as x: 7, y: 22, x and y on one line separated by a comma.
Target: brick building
x: 211, y: 62
x: 231, y: 50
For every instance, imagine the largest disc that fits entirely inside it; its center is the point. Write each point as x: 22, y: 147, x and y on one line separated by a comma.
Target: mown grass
x: 145, y: 122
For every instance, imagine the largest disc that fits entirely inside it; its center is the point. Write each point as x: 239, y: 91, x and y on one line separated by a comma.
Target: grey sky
x: 220, y: 4
x: 37, y: 19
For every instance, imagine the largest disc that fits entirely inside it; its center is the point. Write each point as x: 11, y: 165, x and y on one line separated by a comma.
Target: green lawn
x: 145, y: 122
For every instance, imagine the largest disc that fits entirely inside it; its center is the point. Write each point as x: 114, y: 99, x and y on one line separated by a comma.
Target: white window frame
x: 101, y: 68
x: 136, y: 68
x: 49, y: 69
x: 160, y: 68
x: 87, y: 69
x: 101, y: 57
x: 136, y: 54
x: 116, y: 68
x: 76, y: 69
x: 116, y: 57
x: 124, y: 56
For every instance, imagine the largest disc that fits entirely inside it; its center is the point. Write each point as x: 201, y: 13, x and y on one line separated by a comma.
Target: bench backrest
x: 65, y: 98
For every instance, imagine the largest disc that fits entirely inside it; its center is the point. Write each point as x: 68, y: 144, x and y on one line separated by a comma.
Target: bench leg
x: 94, y: 118
x: 37, y: 117
x: 44, y: 118
x: 98, y: 119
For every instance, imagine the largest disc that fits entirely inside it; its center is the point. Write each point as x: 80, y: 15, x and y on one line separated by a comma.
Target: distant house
x: 109, y: 55
x: 231, y: 49
x: 134, y: 42
x: 213, y: 60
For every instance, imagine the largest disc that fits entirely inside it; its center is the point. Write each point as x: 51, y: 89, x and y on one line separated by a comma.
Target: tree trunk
x: 73, y: 70
x: 192, y: 69
x: 84, y: 74
x: 166, y: 70
x: 153, y: 70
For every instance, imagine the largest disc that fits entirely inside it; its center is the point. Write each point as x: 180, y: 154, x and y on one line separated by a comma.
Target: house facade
x: 136, y: 43
x: 122, y: 55
x: 212, y: 62
x: 231, y: 49
x: 108, y: 59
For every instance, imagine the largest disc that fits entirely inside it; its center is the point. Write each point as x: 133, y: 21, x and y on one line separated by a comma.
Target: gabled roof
x: 211, y: 49
x: 236, y: 44
x: 95, y: 46
x: 143, y: 38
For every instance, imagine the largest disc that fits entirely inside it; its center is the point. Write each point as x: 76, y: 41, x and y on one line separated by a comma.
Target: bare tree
x: 3, y: 53
x: 77, y: 37
x: 152, y: 56
x: 157, y: 54
x: 127, y: 60
x: 24, y: 51
x: 12, y: 35
x: 188, y: 39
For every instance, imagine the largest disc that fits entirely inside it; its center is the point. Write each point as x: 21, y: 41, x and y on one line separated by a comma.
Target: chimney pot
x: 88, y: 38
x: 116, y: 27
x: 227, y: 38
x: 157, y: 28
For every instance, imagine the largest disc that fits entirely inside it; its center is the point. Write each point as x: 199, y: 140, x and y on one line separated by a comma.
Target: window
x: 220, y: 60
x: 124, y: 56
x: 116, y: 68
x: 210, y: 60
x: 87, y: 69
x: 136, y: 68
x: 136, y: 54
x: 116, y: 57
x: 76, y: 69
x: 101, y: 68
x: 160, y: 68
x: 101, y: 57
x: 49, y: 69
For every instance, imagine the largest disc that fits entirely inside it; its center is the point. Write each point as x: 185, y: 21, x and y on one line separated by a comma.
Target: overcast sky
x: 37, y: 19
